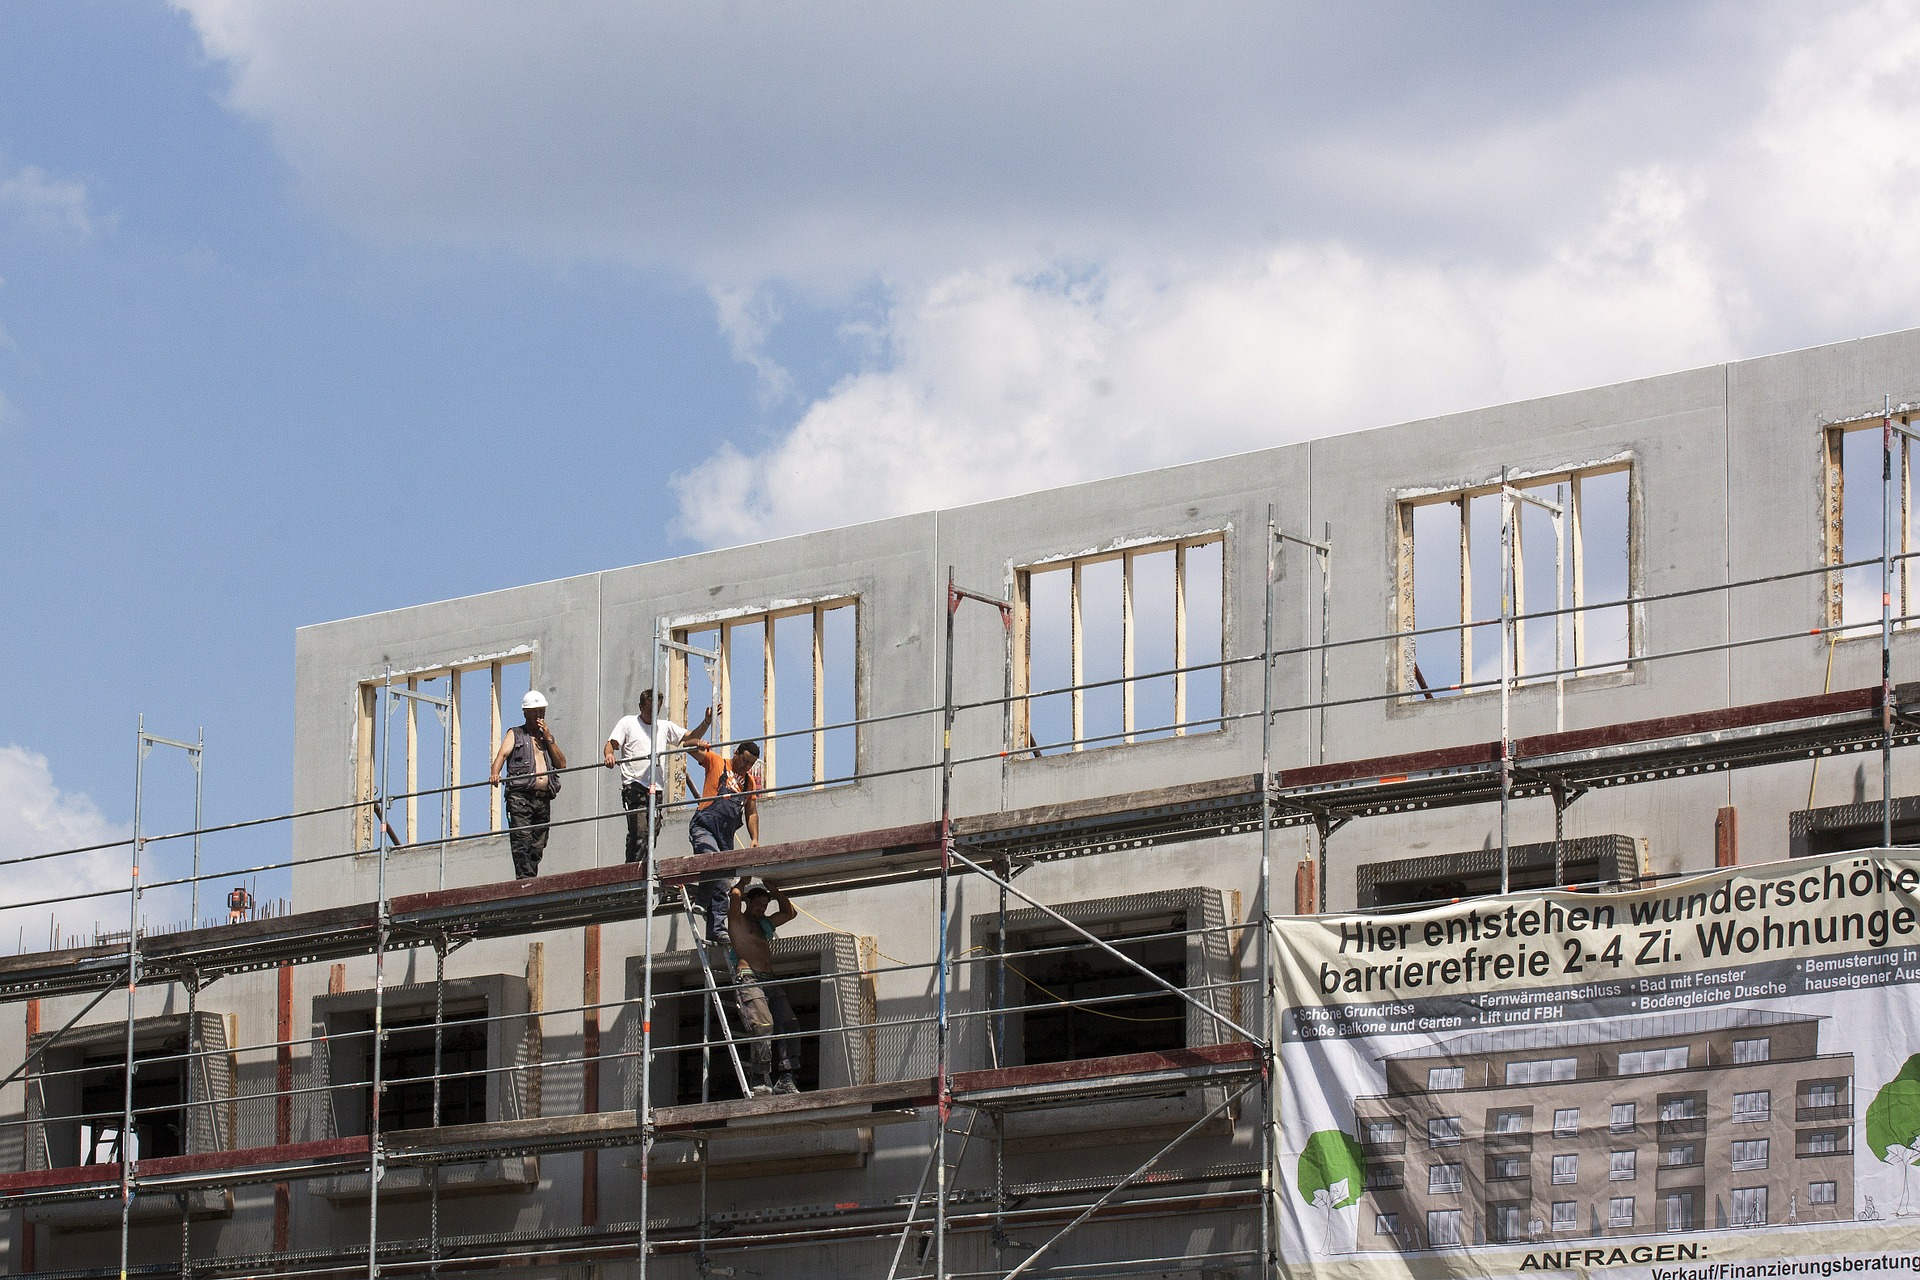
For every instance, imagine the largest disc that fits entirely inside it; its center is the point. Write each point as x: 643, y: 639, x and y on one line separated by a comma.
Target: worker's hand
x: 493, y: 779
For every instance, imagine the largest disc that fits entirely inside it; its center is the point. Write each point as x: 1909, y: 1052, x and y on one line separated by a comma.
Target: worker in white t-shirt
x: 638, y: 745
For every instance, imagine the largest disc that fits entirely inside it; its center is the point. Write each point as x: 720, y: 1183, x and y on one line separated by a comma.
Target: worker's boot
x: 785, y: 1084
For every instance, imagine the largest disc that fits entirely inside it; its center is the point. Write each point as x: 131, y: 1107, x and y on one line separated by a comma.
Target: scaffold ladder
x: 713, y: 993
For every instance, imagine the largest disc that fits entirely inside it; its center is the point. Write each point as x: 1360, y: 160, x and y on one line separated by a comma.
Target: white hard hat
x: 534, y: 698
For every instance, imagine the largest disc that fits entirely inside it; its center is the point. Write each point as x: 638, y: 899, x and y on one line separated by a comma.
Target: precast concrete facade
x: 1727, y: 479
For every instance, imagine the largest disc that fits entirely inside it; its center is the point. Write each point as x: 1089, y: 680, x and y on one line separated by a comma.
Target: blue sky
x: 302, y: 305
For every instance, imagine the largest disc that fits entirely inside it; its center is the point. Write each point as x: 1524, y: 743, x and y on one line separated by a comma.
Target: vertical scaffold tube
x: 1507, y: 663
x: 133, y: 987
x: 645, y: 1118
x: 375, y: 1164
x: 1886, y: 624
x: 1268, y: 1069
x: 943, y: 1100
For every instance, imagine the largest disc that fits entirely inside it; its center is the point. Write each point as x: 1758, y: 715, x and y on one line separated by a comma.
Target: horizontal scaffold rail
x: 858, y: 1106
x: 1609, y: 755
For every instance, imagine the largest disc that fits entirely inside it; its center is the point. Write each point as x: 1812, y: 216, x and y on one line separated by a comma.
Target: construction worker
x: 530, y: 755
x: 636, y: 745
x: 727, y: 802
x: 764, y: 1010
x: 239, y: 904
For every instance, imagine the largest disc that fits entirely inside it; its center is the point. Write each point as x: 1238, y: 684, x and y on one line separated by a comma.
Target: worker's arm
x: 700, y: 730
x: 788, y: 913
x: 554, y: 752
x: 737, y: 911
x: 753, y: 820
x: 500, y: 757
x: 709, y: 761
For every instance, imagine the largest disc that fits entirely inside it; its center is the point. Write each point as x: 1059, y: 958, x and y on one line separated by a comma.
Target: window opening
x: 1750, y: 1154
x: 434, y: 730
x: 1638, y: 1062
x: 1749, y: 1206
x: 1855, y: 517
x: 1145, y: 1018
x: 1620, y: 1211
x: 1566, y: 1215
x: 1823, y: 1192
x: 1622, y: 1165
x: 1388, y: 1224
x: 1577, y: 558
x: 722, y: 1084
x: 1509, y: 1222
x: 1443, y: 1178
x: 1507, y: 1168
x: 406, y: 1068
x: 1566, y: 1169
x: 1443, y: 1131
x: 1541, y: 1071
x: 1623, y: 1117
x: 781, y: 678
x: 159, y: 1104
x: 1446, y: 1078
x: 1752, y: 1050
x: 1138, y: 617
x: 1755, y: 1107
x: 1443, y: 1228
x: 1566, y: 1121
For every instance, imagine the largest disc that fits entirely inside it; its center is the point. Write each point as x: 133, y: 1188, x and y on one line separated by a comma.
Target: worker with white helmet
x: 531, y: 757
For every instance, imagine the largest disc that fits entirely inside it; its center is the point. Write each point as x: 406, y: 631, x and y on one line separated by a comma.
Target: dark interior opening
x: 1070, y: 971
x: 722, y: 1085
x: 406, y: 1066
x: 159, y: 1090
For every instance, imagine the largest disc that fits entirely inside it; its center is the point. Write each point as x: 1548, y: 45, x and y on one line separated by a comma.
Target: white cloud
x: 1001, y: 382
x: 36, y: 816
x: 47, y: 204
x: 1112, y: 236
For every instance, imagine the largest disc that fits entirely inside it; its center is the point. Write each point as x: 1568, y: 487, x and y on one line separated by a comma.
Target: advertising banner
x: 1714, y: 1079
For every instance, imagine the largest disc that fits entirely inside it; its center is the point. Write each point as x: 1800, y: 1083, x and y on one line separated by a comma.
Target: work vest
x: 527, y: 765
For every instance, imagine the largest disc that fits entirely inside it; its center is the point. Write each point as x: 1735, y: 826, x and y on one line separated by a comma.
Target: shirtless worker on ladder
x: 764, y: 1010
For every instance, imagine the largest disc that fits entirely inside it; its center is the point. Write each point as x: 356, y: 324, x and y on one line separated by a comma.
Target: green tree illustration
x: 1893, y: 1124
x: 1332, y: 1173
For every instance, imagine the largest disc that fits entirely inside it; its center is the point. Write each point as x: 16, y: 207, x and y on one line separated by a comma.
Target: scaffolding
x: 1229, y: 1064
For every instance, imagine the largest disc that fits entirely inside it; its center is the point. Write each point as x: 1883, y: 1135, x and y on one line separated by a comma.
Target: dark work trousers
x: 633, y: 796
x: 712, y: 831
x: 764, y: 1012
x: 527, y: 818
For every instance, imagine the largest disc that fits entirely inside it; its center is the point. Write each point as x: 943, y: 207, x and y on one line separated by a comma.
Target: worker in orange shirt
x: 727, y: 803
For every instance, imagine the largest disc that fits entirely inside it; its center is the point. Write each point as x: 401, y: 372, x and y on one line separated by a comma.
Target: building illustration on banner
x: 1708, y: 1120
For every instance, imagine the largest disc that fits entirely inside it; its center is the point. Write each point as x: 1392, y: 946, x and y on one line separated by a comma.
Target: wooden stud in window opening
x: 364, y: 782
x: 1126, y: 645
x: 1465, y: 504
x: 1834, y: 440
x: 413, y: 761
x: 1078, y: 728
x: 1406, y: 655
x: 493, y: 793
x: 1180, y: 640
x: 1577, y: 572
x: 767, y: 727
x: 724, y: 686
x: 1022, y: 661
x: 1905, y: 496
x: 452, y: 798
x: 819, y: 695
